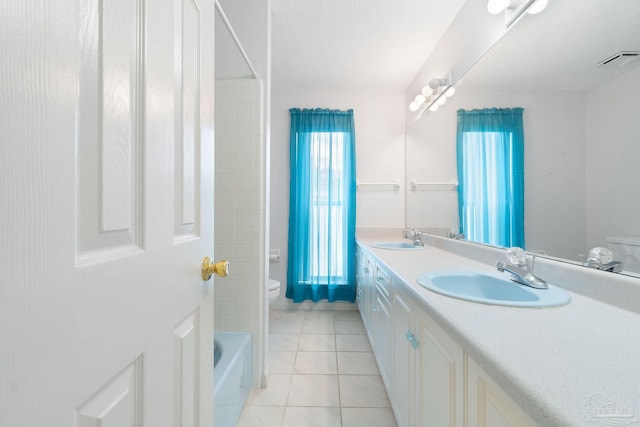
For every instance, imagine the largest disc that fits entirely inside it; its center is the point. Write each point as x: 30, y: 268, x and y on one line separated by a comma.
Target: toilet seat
x: 273, y: 289
x: 273, y: 285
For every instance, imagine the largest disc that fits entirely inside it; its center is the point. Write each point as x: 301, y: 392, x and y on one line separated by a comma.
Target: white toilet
x: 627, y: 250
x: 273, y: 287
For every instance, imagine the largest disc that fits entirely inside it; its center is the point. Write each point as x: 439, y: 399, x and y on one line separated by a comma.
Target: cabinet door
x: 439, y: 376
x: 360, y: 281
x: 403, y: 356
x: 488, y: 405
x: 382, y: 347
x: 365, y: 289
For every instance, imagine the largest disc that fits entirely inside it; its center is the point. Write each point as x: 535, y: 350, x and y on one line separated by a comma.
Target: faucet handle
x: 516, y: 256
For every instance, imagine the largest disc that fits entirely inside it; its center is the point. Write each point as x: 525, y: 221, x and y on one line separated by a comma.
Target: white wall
x: 379, y: 123
x: 554, y: 123
x: 251, y: 20
x: 613, y: 158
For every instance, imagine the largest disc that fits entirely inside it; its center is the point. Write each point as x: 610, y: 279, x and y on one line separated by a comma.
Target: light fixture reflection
x: 433, y: 95
x: 496, y: 6
x: 537, y: 6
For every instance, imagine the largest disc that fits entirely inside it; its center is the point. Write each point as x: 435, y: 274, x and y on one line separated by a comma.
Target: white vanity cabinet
x: 403, y: 360
x: 430, y: 379
x: 381, y: 323
x: 428, y: 375
x: 488, y: 405
x: 364, y: 291
x: 373, y: 298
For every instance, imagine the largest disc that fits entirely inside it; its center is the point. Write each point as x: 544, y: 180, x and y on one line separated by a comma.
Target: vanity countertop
x: 558, y: 363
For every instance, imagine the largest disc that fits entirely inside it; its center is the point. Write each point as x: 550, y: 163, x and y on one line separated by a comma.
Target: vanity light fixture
x: 433, y: 95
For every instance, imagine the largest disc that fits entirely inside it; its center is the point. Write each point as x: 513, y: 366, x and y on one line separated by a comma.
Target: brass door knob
x: 221, y: 268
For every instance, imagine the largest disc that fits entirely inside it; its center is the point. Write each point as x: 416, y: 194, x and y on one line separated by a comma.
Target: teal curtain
x: 322, y: 206
x: 490, y: 153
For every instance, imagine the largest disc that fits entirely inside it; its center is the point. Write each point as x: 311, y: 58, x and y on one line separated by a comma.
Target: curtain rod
x: 236, y: 39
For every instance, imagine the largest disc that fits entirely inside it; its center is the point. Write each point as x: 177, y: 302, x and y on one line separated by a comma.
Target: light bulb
x: 537, y: 6
x: 426, y: 91
x: 449, y: 92
x: 419, y: 99
x: 413, y: 106
x: 496, y: 6
x: 441, y: 101
x: 434, y: 107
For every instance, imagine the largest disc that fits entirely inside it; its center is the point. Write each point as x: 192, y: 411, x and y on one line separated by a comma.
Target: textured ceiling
x: 355, y: 44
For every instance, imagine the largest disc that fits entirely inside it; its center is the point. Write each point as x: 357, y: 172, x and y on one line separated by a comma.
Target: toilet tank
x: 627, y: 250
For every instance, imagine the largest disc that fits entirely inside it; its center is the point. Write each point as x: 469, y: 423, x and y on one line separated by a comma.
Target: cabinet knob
x: 412, y: 340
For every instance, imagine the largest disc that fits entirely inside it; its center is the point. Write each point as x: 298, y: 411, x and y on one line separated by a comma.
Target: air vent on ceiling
x: 621, y: 58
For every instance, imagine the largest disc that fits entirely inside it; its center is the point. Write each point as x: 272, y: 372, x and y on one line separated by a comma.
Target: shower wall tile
x: 244, y: 271
x: 237, y: 222
x: 245, y: 253
x: 244, y: 130
x: 225, y: 129
x: 226, y: 164
x: 244, y: 150
x: 245, y: 287
x: 226, y: 181
x: 227, y: 198
x: 225, y: 307
x: 225, y: 94
x: 226, y: 235
x: 227, y: 112
x: 225, y: 146
x: 245, y: 307
x: 245, y: 200
x: 244, y: 182
x: 225, y: 323
x: 245, y: 95
x: 246, y: 218
x: 244, y: 112
x: 227, y: 217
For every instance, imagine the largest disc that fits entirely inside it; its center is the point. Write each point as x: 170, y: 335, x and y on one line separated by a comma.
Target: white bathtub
x: 232, y: 371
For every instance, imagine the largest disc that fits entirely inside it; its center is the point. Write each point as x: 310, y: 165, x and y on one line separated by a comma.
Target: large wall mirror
x: 581, y: 122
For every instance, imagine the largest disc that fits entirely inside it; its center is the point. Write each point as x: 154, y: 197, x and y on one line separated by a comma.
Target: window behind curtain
x: 490, y: 150
x: 322, y: 206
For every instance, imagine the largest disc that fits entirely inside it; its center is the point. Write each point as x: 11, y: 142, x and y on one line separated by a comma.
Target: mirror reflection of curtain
x: 322, y: 206
x: 490, y: 155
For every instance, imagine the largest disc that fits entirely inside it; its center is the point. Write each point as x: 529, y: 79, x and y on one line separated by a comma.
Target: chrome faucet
x: 602, y: 259
x: 518, y: 266
x: 414, y: 235
x: 454, y: 234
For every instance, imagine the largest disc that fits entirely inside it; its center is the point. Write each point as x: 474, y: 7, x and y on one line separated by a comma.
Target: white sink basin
x: 398, y: 246
x: 491, y: 289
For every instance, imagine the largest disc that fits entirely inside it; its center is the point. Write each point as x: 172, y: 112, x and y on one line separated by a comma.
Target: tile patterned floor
x: 323, y: 374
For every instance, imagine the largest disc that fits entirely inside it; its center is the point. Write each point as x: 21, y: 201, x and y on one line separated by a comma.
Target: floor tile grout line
x: 300, y: 332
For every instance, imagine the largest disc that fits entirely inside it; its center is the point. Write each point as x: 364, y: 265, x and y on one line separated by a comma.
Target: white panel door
x: 106, y: 211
